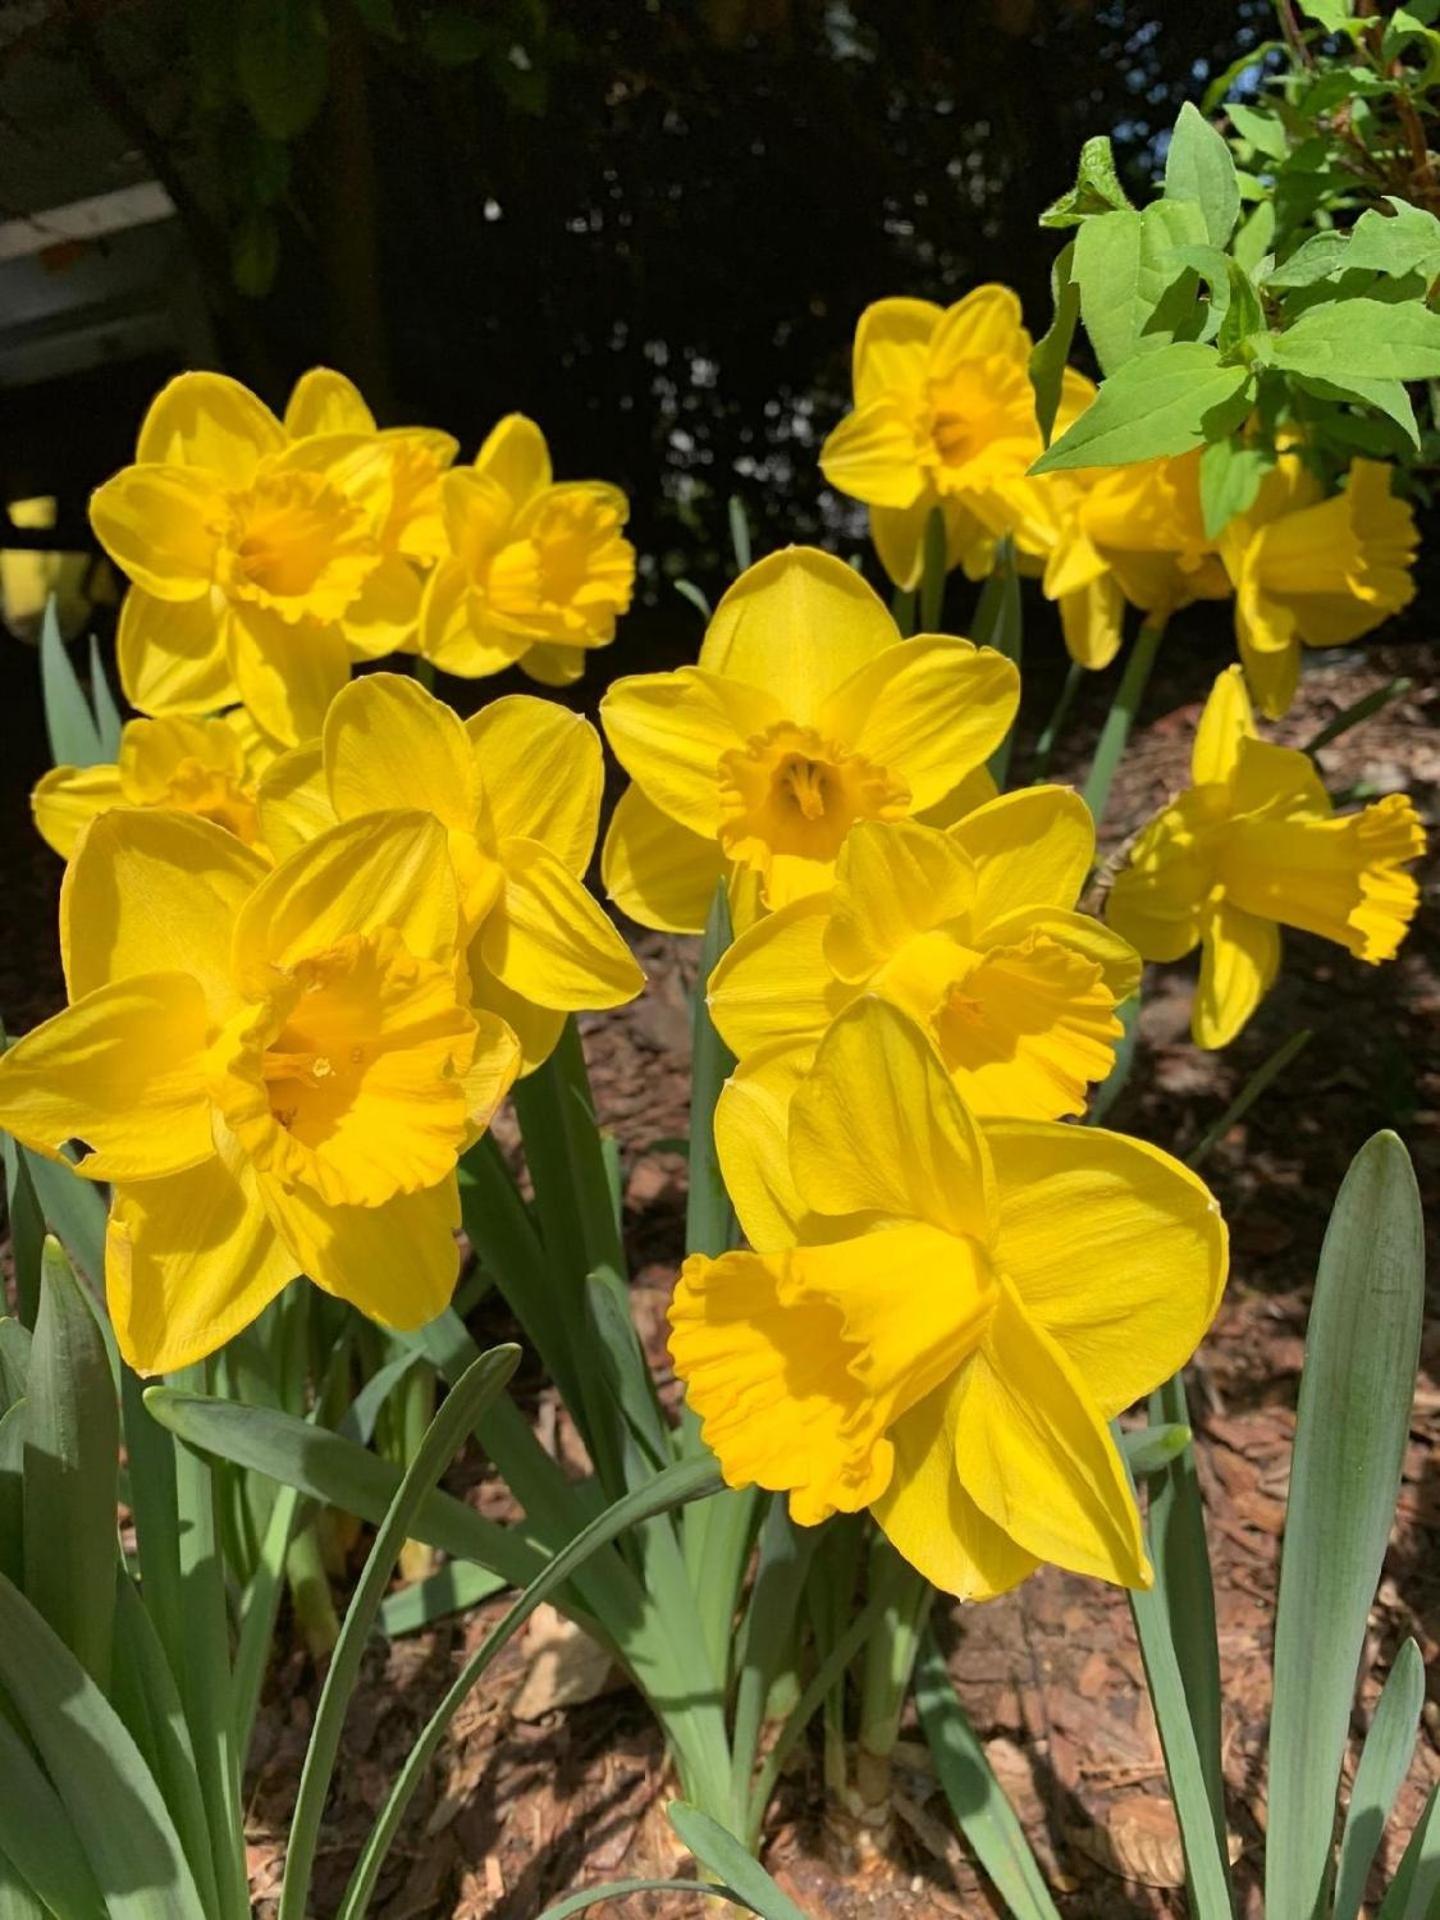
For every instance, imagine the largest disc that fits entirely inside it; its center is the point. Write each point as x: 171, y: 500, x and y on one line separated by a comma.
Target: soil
x: 519, y: 1811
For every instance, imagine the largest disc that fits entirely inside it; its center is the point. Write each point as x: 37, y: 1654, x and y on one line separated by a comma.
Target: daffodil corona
x: 536, y: 572
x: 276, y: 1070
x: 517, y: 790
x: 1253, y: 845
x: 972, y: 931
x: 938, y: 1319
x: 806, y: 715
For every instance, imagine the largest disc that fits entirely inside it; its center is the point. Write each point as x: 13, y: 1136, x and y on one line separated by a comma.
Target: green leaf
x: 108, y: 1792
x: 107, y: 714
x: 483, y: 1382
x: 1406, y: 240
x: 1158, y: 403
x: 1416, y: 1885
x: 1230, y: 476
x: 1384, y: 1762
x: 1356, y: 1389
x: 1199, y: 168
x: 72, y: 1458
x: 1334, y: 15
x: 1147, y: 1450
x: 338, y: 1473
x: 1387, y: 397
x: 723, y: 1854
x: 1051, y: 351
x: 619, y: 1889
x: 1134, y: 295
x: 73, y: 1210
x: 1097, y: 187
x: 453, y: 1588
x: 38, y: 1837
x: 282, y: 65
x: 255, y: 253
x: 27, y: 1228
x: 1244, y: 318
x: 1318, y: 258
x: 1254, y: 237
x: 982, y: 1812
x: 1362, y: 339
x: 69, y: 721
x: 1264, y: 130
x: 739, y: 533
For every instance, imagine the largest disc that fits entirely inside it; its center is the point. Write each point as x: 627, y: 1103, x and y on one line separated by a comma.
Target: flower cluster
x: 945, y: 419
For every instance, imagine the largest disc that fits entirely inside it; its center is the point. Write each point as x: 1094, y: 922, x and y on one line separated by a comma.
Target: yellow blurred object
x: 79, y: 581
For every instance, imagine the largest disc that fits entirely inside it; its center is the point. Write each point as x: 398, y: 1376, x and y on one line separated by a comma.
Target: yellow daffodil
x: 276, y: 1069
x: 536, y: 572
x: 940, y: 1318
x: 944, y: 412
x: 1322, y: 572
x: 1252, y: 846
x: 258, y: 562
x: 972, y: 932
x: 186, y: 764
x: 1132, y: 534
x: 806, y: 714
x: 324, y: 403
x: 517, y: 790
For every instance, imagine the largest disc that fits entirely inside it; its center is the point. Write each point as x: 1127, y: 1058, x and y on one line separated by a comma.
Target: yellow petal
x: 1158, y: 902
x: 669, y: 730
x: 209, y: 420
x: 542, y: 771
x: 67, y: 798
x: 1033, y: 848
x: 892, y: 882
x: 1225, y: 722
x: 515, y: 455
x: 657, y: 871
x: 929, y: 709
x: 323, y: 401
x: 397, y: 1263
x: 151, y: 752
x: 1239, y: 958
x: 172, y: 654
x: 121, y: 1070
x: 874, y: 455
x: 797, y: 623
x: 388, y: 743
x: 774, y: 982
x: 929, y: 1517
x: 1120, y: 965
x: 150, y: 891
x: 453, y: 631
x: 1092, y: 620
x: 985, y: 323
x: 877, y: 1127
x: 752, y: 1142
x: 554, y: 665
x: 892, y: 341
x: 383, y: 870
x: 977, y: 789
x: 1034, y: 1453
x: 162, y: 525
x: 492, y: 1073
x: 190, y: 1261
x: 548, y: 940
x: 384, y: 615
x: 294, y: 800
x: 536, y: 1030
x: 899, y: 537
x: 1116, y: 1249
x: 1272, y: 672
x: 287, y: 674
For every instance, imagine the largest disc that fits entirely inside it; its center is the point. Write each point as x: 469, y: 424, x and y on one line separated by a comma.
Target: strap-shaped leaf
x: 1361, y: 1352
x: 74, y: 737
x: 1384, y: 1762
x: 723, y: 1854
x: 38, y: 1837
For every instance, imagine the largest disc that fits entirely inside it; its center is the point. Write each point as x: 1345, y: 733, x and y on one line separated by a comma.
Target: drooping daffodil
x: 536, y: 572
x: 517, y: 790
x: 972, y: 931
x: 944, y: 413
x: 258, y: 562
x: 805, y: 715
x: 944, y: 1315
x: 1255, y: 845
x: 1315, y: 571
x: 277, y: 1070
x: 182, y: 762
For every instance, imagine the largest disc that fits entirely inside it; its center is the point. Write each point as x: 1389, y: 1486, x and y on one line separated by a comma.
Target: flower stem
x: 425, y: 672
x: 998, y: 624
x: 905, y: 1598
x: 932, y: 580
x: 1121, y: 717
x: 1045, y: 745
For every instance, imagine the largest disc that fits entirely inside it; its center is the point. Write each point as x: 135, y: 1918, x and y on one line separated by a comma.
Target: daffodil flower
x: 186, y: 764
x: 536, y: 572
x: 972, y: 932
x: 517, y: 790
x: 1254, y: 845
x: 412, y: 460
x: 806, y: 714
x: 943, y: 1316
x: 1322, y: 572
x: 258, y: 562
x: 276, y: 1069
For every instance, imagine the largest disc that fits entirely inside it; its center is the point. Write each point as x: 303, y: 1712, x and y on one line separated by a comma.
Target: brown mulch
x: 519, y: 1812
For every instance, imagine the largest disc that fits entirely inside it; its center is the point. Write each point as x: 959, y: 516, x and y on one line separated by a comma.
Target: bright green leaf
x: 1230, y: 476
x: 1322, y: 255
x: 69, y: 722
x: 1405, y: 240
x: 1134, y: 295
x: 1384, y: 1762
x: 1362, y: 339
x: 1265, y: 131
x: 1199, y: 169
x: 1097, y: 187
x: 1159, y: 403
